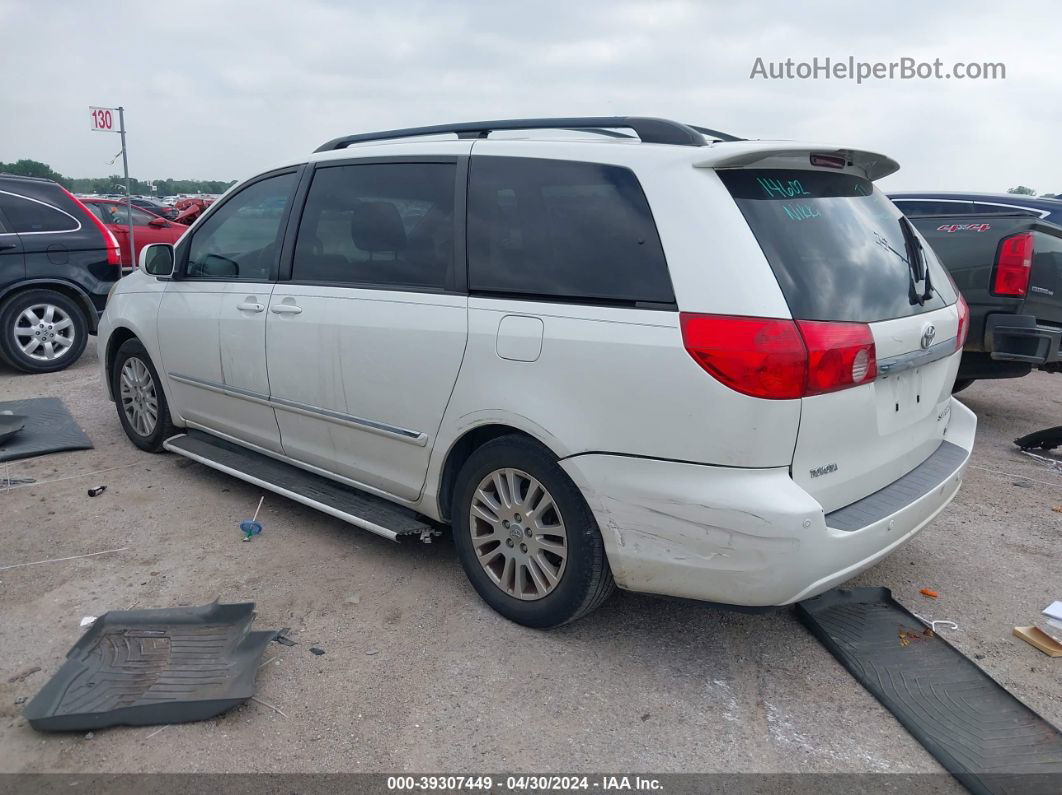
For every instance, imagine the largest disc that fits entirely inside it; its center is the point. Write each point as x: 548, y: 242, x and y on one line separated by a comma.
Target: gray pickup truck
x: 1009, y: 269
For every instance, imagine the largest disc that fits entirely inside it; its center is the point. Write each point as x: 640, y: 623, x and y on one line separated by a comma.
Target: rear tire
x: 525, y: 536
x: 961, y: 384
x: 138, y: 396
x: 42, y: 331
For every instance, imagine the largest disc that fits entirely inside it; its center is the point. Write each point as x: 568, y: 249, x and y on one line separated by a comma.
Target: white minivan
x: 611, y: 350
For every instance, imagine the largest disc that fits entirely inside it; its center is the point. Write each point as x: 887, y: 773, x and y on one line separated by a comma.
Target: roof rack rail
x: 26, y: 177
x: 649, y: 130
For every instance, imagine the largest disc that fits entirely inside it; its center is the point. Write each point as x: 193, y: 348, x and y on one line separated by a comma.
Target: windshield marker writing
x: 800, y: 212
x: 786, y: 190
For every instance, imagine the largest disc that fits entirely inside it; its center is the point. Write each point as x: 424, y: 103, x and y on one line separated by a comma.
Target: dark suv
x: 58, y: 263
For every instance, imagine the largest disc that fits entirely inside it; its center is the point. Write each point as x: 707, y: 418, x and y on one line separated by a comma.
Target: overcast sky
x: 220, y: 90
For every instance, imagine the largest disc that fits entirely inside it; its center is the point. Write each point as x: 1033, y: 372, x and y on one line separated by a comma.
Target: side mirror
x: 157, y: 259
x: 158, y: 223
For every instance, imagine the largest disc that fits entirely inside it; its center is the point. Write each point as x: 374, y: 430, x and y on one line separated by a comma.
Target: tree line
x: 114, y: 183
x: 1021, y: 190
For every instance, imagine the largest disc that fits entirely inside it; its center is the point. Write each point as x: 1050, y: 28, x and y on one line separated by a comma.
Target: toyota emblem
x: 928, y: 333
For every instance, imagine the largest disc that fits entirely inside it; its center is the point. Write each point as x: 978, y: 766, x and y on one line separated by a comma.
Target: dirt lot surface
x: 419, y: 675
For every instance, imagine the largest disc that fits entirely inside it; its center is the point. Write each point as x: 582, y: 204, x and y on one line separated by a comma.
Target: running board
x: 358, y: 508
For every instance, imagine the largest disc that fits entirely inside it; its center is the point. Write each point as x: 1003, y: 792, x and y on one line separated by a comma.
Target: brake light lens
x: 779, y: 359
x: 1014, y: 265
x: 840, y: 355
x: 964, y: 322
x: 828, y: 161
x: 114, y: 251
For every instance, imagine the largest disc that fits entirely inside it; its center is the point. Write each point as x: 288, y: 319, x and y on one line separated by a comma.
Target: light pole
x: 128, y: 192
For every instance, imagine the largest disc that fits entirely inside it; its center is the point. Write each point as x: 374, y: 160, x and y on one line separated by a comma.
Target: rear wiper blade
x: 917, y: 262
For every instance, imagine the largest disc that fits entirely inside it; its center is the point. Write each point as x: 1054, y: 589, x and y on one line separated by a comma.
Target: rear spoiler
x: 740, y: 154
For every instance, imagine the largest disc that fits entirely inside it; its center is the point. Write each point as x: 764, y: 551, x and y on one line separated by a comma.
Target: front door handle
x: 285, y: 309
x: 250, y: 306
x: 6, y: 246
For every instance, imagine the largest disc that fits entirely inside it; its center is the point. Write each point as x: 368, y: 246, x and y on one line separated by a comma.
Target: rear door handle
x: 285, y: 309
x: 250, y: 306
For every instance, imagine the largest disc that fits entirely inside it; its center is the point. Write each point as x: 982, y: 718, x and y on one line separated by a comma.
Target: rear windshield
x: 835, y: 244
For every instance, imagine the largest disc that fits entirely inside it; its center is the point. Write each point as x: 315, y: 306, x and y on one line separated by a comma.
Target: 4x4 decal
x: 964, y: 228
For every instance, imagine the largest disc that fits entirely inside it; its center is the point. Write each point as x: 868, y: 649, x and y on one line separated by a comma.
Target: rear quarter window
x: 28, y: 216
x: 563, y: 230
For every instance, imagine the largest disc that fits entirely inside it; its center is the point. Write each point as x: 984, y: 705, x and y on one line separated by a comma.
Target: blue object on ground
x: 251, y: 527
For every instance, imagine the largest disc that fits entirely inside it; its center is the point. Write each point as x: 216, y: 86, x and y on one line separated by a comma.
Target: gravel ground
x: 420, y: 676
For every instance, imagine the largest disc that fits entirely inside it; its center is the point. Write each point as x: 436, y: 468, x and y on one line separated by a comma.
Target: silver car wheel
x: 137, y: 393
x: 518, y: 534
x: 44, y: 332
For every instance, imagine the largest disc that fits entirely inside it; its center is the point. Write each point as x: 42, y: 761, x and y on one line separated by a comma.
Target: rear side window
x: 241, y: 240
x: 378, y: 224
x: 98, y: 211
x: 915, y: 209
x: 559, y: 229
x: 997, y: 209
x: 835, y: 244
x: 27, y: 216
x: 120, y: 215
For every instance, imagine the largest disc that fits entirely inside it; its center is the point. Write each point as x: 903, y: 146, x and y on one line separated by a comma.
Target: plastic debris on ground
x: 252, y: 527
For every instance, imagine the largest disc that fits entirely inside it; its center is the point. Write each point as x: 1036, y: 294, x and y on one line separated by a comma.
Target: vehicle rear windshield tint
x: 835, y: 244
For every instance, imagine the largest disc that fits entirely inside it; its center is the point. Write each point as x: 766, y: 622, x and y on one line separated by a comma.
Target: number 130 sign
x: 104, y: 119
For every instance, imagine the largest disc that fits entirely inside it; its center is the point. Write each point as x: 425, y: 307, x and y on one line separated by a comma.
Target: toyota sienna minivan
x: 606, y: 351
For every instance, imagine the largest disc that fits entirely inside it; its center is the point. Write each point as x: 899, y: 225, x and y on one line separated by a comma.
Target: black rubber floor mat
x: 978, y: 731
x: 139, y: 667
x: 49, y: 429
x: 1047, y: 439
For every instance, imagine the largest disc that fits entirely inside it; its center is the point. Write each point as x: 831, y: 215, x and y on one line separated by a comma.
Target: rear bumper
x: 1019, y: 338
x: 748, y: 537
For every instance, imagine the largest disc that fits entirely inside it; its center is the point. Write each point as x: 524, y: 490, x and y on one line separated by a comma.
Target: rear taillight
x: 1013, y: 265
x: 110, y: 243
x: 780, y: 359
x: 762, y: 357
x: 964, y: 323
x: 840, y: 355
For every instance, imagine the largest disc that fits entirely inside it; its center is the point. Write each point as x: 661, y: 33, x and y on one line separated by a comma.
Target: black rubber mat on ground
x: 49, y: 429
x: 978, y: 731
x: 139, y: 667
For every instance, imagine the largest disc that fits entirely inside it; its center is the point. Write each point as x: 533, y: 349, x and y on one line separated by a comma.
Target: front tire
x: 138, y: 395
x: 42, y: 331
x: 525, y: 536
x: 961, y: 384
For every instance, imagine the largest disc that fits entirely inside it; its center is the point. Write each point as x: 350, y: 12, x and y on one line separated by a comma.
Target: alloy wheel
x: 44, y: 332
x: 139, y: 399
x: 518, y: 534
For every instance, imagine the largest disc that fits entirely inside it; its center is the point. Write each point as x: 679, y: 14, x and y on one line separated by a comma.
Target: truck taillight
x: 1013, y: 265
x: 964, y: 322
x: 780, y: 359
x: 110, y: 243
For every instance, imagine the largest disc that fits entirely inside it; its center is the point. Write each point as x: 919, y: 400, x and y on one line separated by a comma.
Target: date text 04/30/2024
x: 524, y: 783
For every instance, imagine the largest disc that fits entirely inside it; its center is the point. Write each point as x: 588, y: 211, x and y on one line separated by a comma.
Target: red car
x: 147, y: 227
